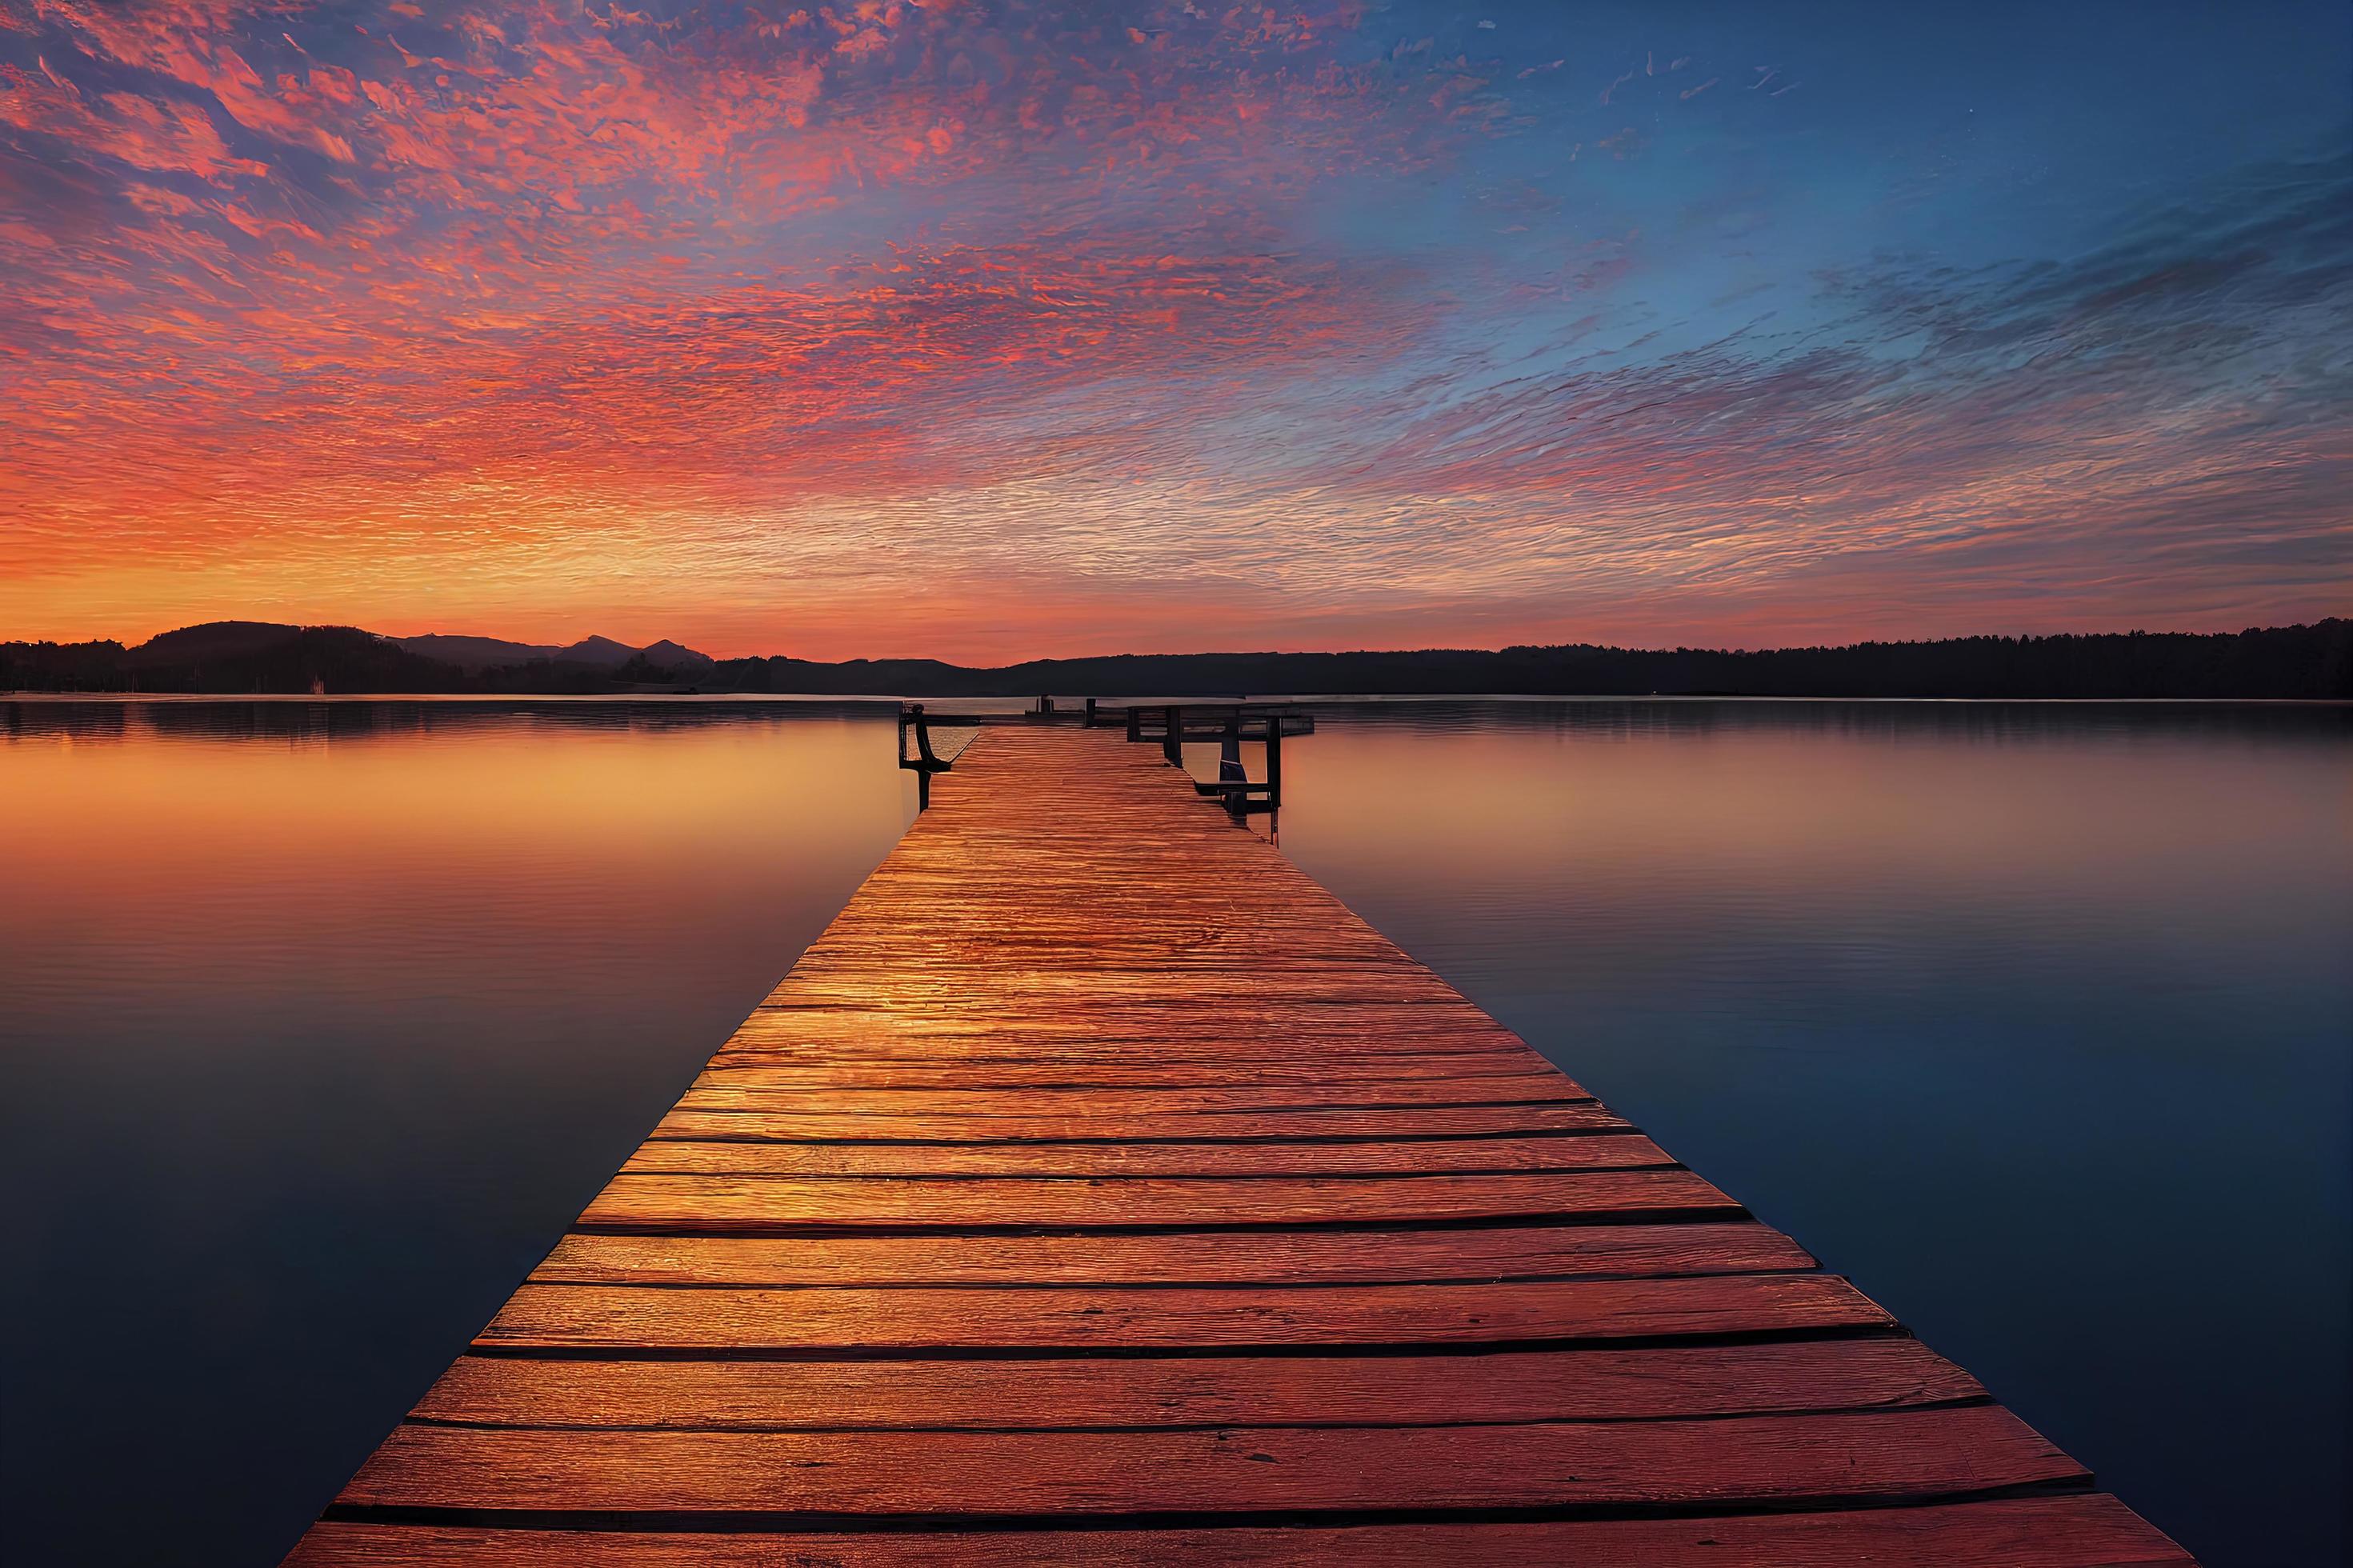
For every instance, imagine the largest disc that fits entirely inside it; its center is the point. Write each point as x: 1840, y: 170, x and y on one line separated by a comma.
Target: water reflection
x: 2033, y: 1018
x: 320, y: 1020
x: 213, y: 720
x: 317, y: 1023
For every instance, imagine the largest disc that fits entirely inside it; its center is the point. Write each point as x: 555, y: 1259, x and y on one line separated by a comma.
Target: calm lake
x: 319, y: 1021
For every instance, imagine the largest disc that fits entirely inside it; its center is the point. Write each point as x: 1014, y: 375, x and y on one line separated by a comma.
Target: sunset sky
x: 983, y: 330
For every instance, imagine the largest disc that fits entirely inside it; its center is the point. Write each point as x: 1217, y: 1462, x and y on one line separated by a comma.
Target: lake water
x: 319, y: 1021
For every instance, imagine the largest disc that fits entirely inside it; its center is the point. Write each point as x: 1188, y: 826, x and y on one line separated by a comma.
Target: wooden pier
x: 1099, y: 1189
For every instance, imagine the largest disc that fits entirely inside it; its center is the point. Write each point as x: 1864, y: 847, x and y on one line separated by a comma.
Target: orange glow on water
x: 439, y: 840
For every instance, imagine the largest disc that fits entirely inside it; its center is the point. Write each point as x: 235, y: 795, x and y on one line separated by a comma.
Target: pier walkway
x: 1099, y: 1189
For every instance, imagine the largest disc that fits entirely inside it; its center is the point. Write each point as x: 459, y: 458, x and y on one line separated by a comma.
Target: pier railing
x: 1229, y: 725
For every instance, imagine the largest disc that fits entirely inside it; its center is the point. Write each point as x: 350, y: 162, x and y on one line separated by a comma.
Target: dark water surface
x: 318, y: 1022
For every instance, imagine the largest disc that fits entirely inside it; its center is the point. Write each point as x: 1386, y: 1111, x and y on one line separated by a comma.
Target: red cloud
x: 528, y: 307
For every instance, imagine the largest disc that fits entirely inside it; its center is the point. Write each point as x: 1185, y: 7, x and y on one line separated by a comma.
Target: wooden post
x: 1229, y: 766
x: 927, y: 761
x: 1172, y: 744
x: 1274, y: 761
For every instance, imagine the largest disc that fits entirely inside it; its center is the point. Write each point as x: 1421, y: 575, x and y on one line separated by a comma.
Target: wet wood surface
x: 2022, y: 1532
x: 1100, y: 1189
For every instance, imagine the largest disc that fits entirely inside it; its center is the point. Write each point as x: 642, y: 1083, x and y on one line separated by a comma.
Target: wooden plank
x: 1081, y: 1015
x: 1915, y: 1455
x: 738, y: 1203
x: 744, y: 1091
x: 1255, y: 1159
x: 701, y: 1124
x: 1165, y: 1030
x: 1885, y: 1372
x: 909, y: 1061
x: 1017, y: 981
x: 961, y: 1075
x: 2082, y: 1531
x: 1231, y: 1258
x: 745, y: 1320
x: 1146, y: 935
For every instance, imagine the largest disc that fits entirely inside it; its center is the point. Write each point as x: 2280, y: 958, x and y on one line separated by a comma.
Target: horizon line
x: 1211, y: 653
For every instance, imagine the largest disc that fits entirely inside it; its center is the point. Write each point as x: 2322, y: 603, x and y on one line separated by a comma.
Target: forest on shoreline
x: 252, y: 657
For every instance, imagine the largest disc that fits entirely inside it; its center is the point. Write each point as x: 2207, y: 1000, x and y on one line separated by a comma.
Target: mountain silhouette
x: 472, y: 653
x: 475, y: 653
x: 669, y: 654
x: 602, y: 652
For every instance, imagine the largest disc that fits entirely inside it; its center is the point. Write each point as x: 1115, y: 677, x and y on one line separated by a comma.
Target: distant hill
x: 212, y: 643
x: 469, y: 653
x: 668, y: 654
x: 229, y: 656
x: 475, y: 653
x: 602, y: 652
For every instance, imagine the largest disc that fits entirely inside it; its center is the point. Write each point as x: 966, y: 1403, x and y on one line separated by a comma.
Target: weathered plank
x: 749, y: 1321
x: 1262, y: 1158
x: 682, y: 1204
x: 961, y: 1075
x: 1896, y: 1454
x: 1149, y: 1028
x: 2082, y: 1532
x: 700, y: 1123
x: 1370, y: 1255
x: 1881, y: 1371
x: 744, y: 1091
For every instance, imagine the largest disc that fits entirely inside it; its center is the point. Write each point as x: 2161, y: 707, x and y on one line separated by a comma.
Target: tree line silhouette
x: 233, y: 657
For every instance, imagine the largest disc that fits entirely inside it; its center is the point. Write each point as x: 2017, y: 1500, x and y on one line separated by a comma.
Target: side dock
x: 1100, y: 1189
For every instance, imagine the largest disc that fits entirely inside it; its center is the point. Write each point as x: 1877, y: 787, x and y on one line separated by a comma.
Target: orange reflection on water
x: 166, y: 839
x: 1847, y: 803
